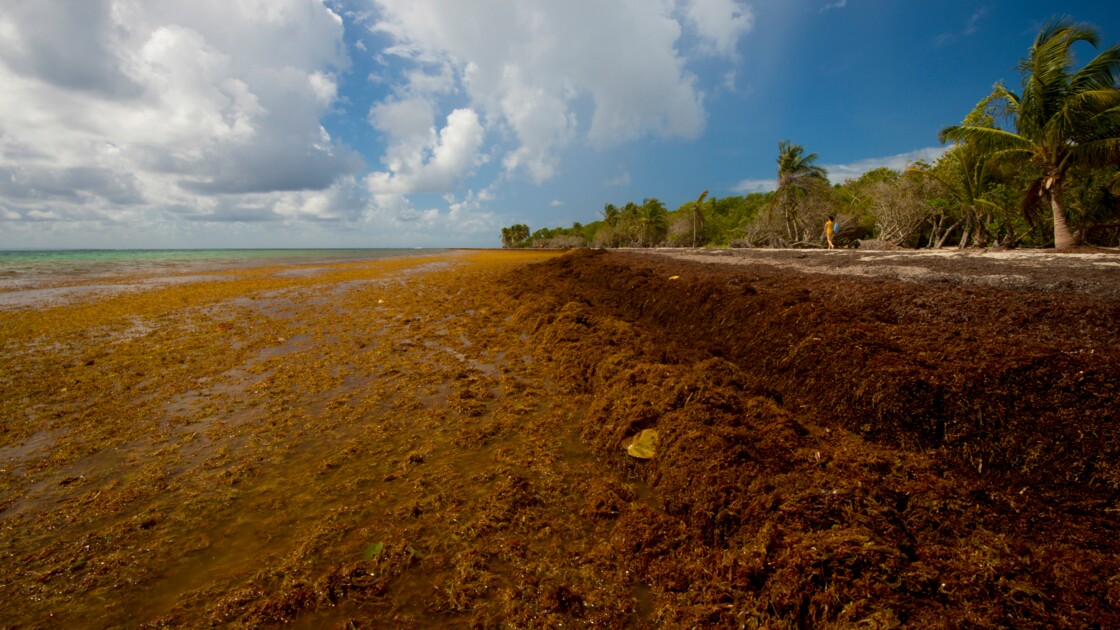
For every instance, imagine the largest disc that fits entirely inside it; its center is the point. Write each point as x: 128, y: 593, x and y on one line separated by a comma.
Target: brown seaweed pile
x: 856, y: 453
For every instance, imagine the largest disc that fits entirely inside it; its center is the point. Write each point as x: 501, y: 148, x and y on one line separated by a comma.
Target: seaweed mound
x: 798, y: 484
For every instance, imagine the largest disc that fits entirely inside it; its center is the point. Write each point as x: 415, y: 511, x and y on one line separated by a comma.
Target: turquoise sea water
x: 29, y: 269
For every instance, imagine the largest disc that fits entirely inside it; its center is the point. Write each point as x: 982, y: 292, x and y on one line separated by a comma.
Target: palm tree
x: 1063, y: 118
x: 517, y: 235
x: 629, y: 220
x: 611, y: 214
x: 698, y: 216
x: 652, y: 219
x: 965, y: 172
x: 797, y: 174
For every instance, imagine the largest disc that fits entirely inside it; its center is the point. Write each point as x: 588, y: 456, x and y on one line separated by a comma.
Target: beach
x: 441, y: 439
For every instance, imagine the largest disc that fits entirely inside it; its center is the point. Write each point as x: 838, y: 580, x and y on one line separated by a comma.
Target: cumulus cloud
x: 341, y: 201
x: 118, y: 109
x: 545, y: 74
x: 407, y: 225
x: 469, y: 216
x: 73, y: 184
x: 420, y: 160
x: 143, y: 116
x: 68, y: 45
x: 838, y: 173
x: 720, y: 23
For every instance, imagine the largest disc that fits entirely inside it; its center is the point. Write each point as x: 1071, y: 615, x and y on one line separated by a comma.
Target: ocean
x: 32, y: 269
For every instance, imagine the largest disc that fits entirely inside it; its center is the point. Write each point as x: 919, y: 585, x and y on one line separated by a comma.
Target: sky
x: 434, y: 123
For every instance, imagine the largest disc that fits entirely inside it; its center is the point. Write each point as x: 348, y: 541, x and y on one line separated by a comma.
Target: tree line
x: 1036, y: 167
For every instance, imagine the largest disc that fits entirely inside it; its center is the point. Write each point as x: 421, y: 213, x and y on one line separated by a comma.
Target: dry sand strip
x: 1096, y: 272
x: 442, y: 441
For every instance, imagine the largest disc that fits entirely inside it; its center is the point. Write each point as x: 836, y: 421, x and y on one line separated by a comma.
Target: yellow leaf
x: 643, y: 445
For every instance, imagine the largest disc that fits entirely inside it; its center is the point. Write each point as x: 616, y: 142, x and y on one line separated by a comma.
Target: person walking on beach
x: 829, y: 228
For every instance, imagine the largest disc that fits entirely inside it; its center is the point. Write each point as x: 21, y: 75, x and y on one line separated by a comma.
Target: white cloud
x: 395, y: 211
x: 43, y: 215
x: 838, y: 173
x: 555, y: 203
x: 117, y: 110
x: 468, y: 216
x: 622, y: 179
x: 324, y: 87
x: 421, y: 162
x: 400, y: 223
x: 838, y: 4
x: 542, y: 74
x: 720, y: 23
x: 748, y: 186
x: 139, y: 116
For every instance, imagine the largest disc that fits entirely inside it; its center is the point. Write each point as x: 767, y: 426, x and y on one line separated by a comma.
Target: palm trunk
x: 1063, y: 238
x: 981, y: 237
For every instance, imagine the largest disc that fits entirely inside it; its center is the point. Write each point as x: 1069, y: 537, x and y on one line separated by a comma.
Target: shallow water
x: 34, y: 268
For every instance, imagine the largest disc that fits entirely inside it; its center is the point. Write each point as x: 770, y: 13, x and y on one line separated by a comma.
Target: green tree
x: 1063, y: 118
x: 797, y: 176
x: 652, y: 221
x: 1090, y: 202
x: 629, y: 224
x: 515, y: 235
x: 729, y: 215
x: 965, y: 171
x: 611, y: 214
x: 855, y: 200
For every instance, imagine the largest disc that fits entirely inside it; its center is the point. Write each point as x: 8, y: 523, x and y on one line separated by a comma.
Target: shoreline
x: 59, y: 288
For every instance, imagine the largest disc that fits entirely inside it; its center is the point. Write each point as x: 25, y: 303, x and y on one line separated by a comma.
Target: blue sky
x: 386, y: 123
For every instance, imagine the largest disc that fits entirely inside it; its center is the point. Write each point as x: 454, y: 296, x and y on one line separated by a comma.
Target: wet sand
x: 435, y: 441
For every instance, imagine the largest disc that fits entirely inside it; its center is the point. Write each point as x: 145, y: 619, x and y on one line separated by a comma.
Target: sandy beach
x: 435, y: 441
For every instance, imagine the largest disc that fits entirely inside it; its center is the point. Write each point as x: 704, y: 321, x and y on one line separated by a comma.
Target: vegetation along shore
x: 1027, y: 168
